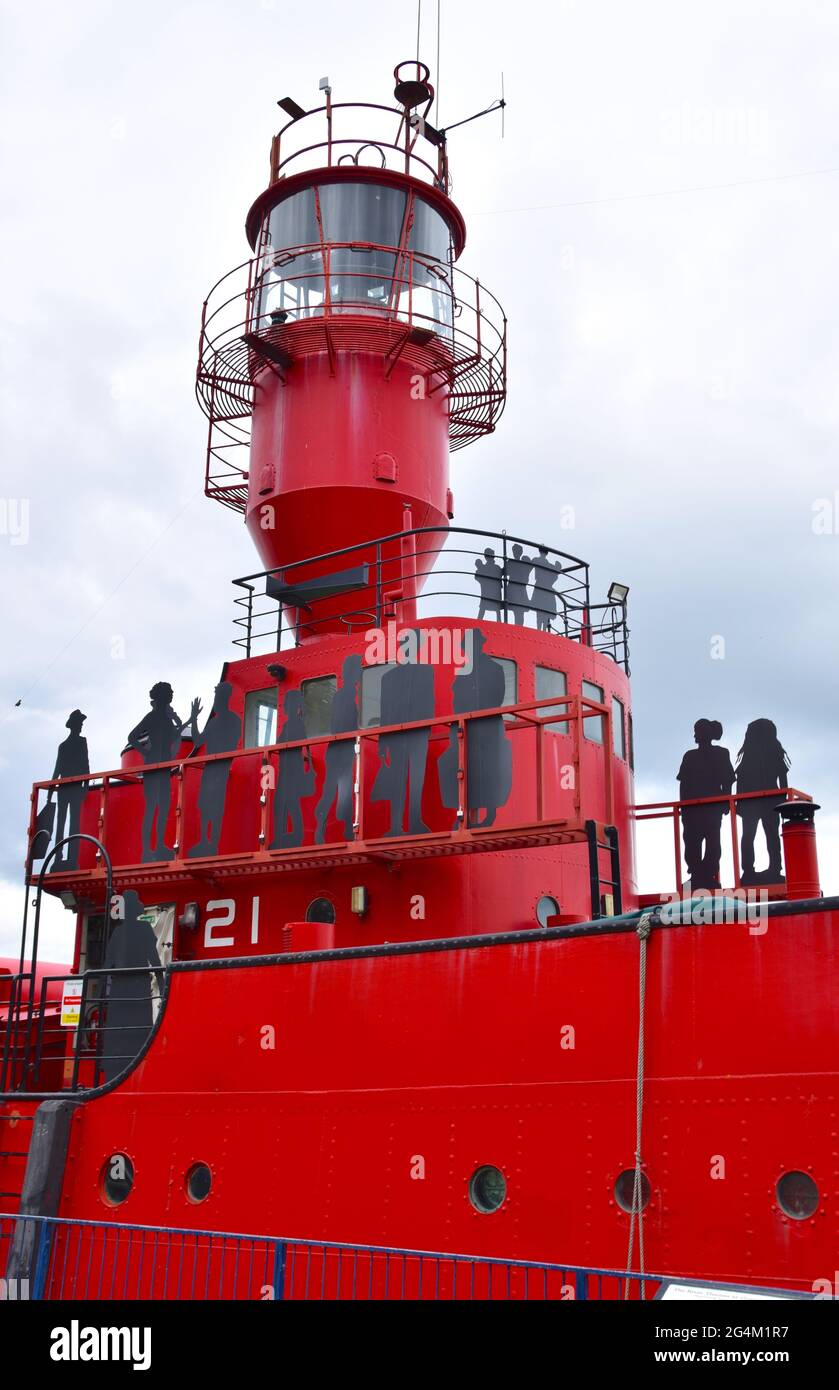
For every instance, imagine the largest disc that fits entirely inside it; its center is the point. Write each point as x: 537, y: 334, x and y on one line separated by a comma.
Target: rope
x: 645, y: 924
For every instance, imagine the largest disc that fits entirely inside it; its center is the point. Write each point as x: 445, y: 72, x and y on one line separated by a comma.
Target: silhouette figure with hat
x: 489, y: 575
x: 157, y: 739
x: 129, y: 1011
x: 295, y: 776
x: 705, y: 771
x: 762, y: 762
x: 221, y: 734
x: 71, y: 761
x: 340, y: 757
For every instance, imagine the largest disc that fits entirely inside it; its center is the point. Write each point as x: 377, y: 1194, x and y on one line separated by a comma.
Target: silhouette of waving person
x: 762, y: 763
x: 340, y: 757
x: 157, y: 738
x: 295, y: 776
x: 489, y: 575
x: 517, y: 574
x: 71, y: 761
x: 407, y: 695
x: 221, y: 734
x: 705, y: 771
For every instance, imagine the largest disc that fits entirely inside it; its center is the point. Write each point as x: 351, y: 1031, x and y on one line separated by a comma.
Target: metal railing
x: 42, y: 1054
x: 53, y: 1258
x: 728, y: 806
x: 327, y: 136
x: 547, y: 798
x: 418, y: 574
x: 332, y: 296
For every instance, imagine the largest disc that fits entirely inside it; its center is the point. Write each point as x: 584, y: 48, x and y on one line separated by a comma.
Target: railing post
x: 580, y: 1285
x: 732, y: 810
x: 39, y: 1276
x: 677, y: 849
x: 279, y: 1270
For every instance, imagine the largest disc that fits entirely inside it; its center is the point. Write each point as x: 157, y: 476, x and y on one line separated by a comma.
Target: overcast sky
x: 660, y: 224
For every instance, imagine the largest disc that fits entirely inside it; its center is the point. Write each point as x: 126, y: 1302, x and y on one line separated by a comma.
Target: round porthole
x: 625, y: 1189
x: 797, y: 1195
x: 116, y: 1179
x: 320, y: 910
x: 198, y: 1182
x: 487, y: 1188
x: 545, y: 909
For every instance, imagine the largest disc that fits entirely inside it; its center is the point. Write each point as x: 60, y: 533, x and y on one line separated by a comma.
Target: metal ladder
x: 608, y: 845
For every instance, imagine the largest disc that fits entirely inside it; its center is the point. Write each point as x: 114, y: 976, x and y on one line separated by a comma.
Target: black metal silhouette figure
x: 762, y: 762
x: 489, y: 575
x: 295, y: 776
x: 489, y: 760
x: 71, y: 761
x: 157, y: 738
x: 407, y: 695
x: 517, y: 574
x: 129, y: 1011
x: 705, y: 771
x: 544, y: 597
x: 221, y: 734
x: 340, y: 757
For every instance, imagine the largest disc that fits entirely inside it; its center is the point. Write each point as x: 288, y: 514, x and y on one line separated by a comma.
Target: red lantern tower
x: 341, y: 364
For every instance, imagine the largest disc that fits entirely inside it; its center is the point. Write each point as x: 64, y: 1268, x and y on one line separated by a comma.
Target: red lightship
x: 358, y: 949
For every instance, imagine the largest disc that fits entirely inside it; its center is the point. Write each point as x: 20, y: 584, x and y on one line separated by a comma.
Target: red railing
x: 540, y: 808
x: 671, y: 810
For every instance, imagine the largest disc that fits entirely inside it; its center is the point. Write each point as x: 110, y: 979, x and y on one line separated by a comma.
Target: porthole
x: 198, y: 1182
x: 320, y: 910
x: 116, y: 1179
x: 545, y: 909
x: 487, y: 1188
x: 625, y: 1189
x: 798, y: 1196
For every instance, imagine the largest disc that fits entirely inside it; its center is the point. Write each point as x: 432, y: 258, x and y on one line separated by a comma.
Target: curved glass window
x: 361, y: 278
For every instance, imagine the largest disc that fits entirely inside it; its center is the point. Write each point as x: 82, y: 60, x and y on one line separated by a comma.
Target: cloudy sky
x: 659, y: 223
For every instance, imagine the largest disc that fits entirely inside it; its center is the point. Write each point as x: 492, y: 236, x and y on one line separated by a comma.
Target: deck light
x: 618, y: 592
x: 359, y: 901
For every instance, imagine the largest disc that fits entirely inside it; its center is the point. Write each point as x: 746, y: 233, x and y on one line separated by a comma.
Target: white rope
x: 643, y: 930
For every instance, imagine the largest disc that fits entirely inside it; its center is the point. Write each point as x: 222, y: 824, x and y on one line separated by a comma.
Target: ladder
x: 607, y: 845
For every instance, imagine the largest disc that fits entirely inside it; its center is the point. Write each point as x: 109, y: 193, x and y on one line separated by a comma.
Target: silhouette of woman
x: 705, y: 771
x: 489, y: 763
x: 761, y: 763
x: 295, y: 777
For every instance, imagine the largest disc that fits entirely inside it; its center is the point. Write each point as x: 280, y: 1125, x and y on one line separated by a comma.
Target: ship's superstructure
x: 355, y: 951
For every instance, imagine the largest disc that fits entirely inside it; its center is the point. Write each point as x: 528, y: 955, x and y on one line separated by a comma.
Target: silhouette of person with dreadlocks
x: 762, y: 762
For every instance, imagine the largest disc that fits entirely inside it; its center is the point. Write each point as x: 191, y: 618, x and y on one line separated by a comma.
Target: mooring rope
x: 643, y: 931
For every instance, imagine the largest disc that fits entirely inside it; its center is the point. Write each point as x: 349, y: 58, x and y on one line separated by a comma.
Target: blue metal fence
x: 56, y: 1258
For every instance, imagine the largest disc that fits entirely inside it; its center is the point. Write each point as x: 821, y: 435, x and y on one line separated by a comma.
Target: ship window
x: 260, y: 718
x: 625, y: 1189
x: 546, y: 908
x: 317, y: 704
x: 797, y: 1195
x: 593, y: 725
x: 198, y: 1182
x: 631, y: 736
x: 511, y: 681
x: 618, y: 729
x: 550, y: 682
x: 487, y: 1188
x: 116, y: 1179
x: 371, y: 694
x: 320, y: 910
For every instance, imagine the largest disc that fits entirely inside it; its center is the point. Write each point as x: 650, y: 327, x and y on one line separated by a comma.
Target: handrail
x: 665, y: 810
